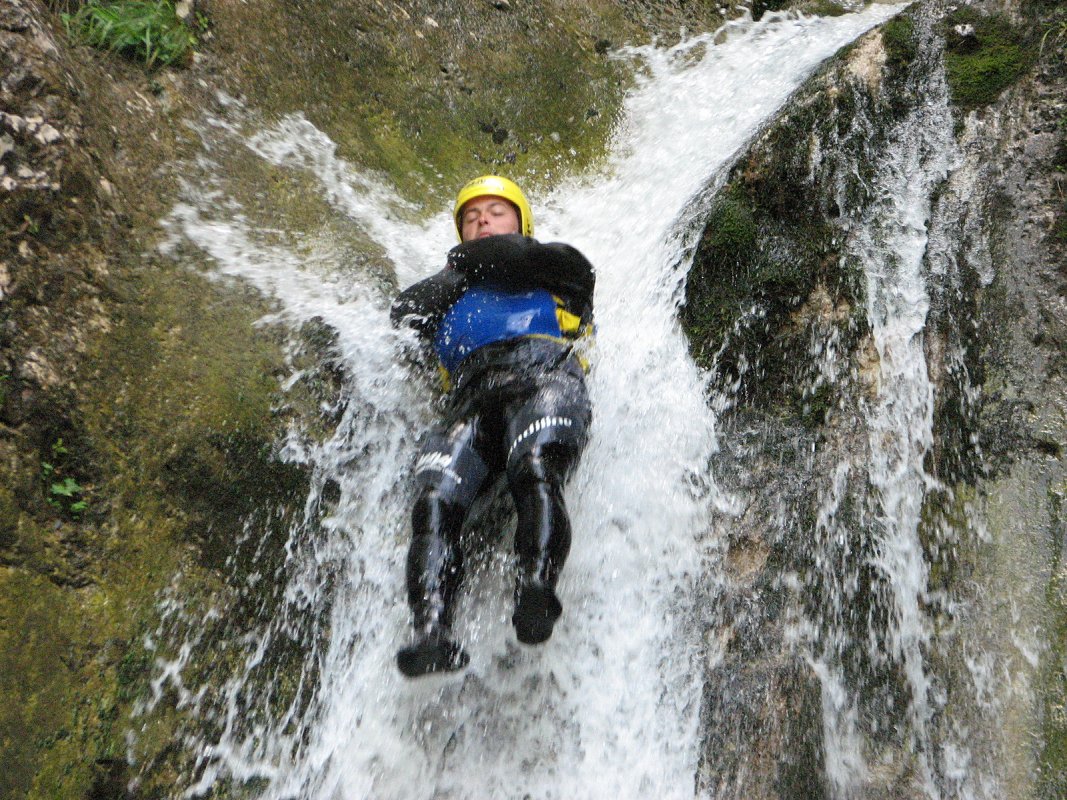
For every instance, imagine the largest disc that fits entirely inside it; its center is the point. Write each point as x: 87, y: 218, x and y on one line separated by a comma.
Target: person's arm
x: 520, y: 262
x: 423, y: 304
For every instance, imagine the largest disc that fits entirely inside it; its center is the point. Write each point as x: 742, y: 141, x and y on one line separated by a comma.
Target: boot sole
x: 427, y: 658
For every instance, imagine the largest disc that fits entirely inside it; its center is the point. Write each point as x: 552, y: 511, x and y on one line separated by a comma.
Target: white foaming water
x: 901, y: 420
x: 890, y: 242
x: 609, y: 707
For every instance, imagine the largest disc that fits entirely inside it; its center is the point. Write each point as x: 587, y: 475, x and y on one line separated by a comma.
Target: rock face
x: 140, y: 416
x: 778, y: 312
x: 139, y: 406
x: 123, y: 439
x: 54, y: 204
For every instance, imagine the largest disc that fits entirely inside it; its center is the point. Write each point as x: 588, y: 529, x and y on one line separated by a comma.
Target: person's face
x: 488, y: 216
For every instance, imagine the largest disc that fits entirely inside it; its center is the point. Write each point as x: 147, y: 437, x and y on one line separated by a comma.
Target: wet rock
x: 994, y: 346
x: 181, y: 434
x: 14, y: 17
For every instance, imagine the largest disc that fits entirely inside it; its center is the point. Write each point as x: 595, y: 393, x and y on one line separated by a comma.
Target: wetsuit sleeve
x: 423, y: 304
x: 520, y: 262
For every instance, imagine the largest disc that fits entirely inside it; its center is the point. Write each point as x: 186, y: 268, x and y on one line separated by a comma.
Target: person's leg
x: 542, y: 537
x: 449, y: 473
x: 546, y: 435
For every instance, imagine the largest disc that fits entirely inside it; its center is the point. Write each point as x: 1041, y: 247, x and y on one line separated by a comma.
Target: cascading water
x: 610, y: 706
x: 890, y: 242
x: 901, y: 419
x: 906, y: 708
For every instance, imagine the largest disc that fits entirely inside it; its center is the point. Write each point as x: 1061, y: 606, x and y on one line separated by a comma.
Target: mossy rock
x: 195, y: 408
x: 36, y: 684
x: 1053, y: 780
x: 717, y: 285
x: 984, y: 55
x: 430, y: 94
x: 900, y: 42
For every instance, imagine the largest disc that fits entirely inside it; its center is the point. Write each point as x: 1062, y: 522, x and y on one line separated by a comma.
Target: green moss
x: 9, y: 514
x: 88, y: 640
x: 717, y: 285
x: 899, y: 40
x: 1059, y: 230
x: 174, y: 419
x: 193, y: 413
x: 951, y: 547
x: 731, y: 233
x: 1053, y: 774
x: 431, y: 104
x: 36, y: 683
x: 815, y: 404
x: 981, y: 66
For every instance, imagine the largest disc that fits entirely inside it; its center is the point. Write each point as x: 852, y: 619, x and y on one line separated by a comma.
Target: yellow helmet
x: 500, y: 187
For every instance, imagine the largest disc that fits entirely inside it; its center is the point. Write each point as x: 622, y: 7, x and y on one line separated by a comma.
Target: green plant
x: 1058, y: 32
x: 64, y: 492
x: 145, y: 29
x: 898, y: 37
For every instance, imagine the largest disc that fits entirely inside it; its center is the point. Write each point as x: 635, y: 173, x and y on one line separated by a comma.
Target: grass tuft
x: 148, y: 30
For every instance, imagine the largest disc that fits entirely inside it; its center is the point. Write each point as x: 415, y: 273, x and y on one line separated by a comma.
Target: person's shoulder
x: 490, y: 245
x: 566, y: 252
x: 515, y: 251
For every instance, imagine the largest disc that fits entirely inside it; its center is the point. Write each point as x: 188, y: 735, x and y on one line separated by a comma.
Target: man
x: 504, y: 317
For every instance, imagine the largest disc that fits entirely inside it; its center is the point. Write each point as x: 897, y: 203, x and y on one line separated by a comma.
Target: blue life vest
x: 485, y: 314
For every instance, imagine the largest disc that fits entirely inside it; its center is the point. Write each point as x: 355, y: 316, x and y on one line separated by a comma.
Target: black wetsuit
x: 506, y: 317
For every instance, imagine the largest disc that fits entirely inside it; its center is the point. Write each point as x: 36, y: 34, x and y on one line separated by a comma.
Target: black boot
x: 542, y: 540
x: 433, y: 651
x: 536, y: 610
x: 434, y: 573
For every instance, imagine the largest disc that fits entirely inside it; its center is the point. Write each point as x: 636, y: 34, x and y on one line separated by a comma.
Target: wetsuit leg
x: 545, y: 435
x: 449, y: 472
x: 542, y: 538
x: 435, y: 561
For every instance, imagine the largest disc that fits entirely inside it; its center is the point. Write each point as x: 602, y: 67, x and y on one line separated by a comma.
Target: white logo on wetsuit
x: 437, y: 461
x: 539, y: 425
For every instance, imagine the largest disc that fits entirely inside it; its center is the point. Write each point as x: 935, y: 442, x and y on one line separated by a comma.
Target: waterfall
x: 891, y: 243
x: 610, y: 706
x: 900, y: 422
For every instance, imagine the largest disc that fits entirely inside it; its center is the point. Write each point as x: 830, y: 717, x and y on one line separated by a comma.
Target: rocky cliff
x: 139, y: 406
x: 778, y: 308
x: 140, y: 414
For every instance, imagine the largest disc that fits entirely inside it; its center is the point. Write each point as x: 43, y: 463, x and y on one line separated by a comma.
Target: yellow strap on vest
x: 568, y: 323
